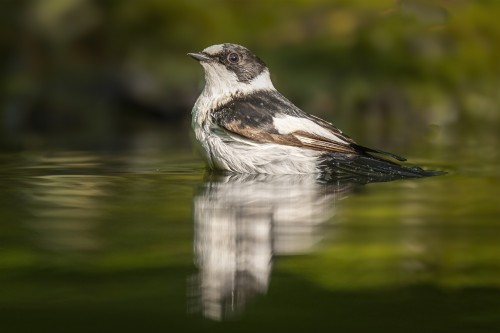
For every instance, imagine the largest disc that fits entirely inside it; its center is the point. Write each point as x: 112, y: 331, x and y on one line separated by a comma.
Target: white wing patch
x: 289, y: 124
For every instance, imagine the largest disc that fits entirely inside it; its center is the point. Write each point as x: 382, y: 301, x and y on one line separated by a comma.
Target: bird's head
x: 231, y: 68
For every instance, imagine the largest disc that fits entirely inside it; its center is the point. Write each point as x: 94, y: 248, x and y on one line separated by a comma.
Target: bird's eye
x: 233, y: 58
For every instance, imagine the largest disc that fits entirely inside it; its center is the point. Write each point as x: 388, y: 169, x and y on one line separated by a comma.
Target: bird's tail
x: 370, y: 167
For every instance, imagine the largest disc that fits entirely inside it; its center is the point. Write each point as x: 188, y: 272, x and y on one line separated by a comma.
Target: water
x: 153, y: 243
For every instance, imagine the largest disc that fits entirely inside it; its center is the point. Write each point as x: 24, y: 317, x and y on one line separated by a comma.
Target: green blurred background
x: 99, y: 178
x: 81, y: 74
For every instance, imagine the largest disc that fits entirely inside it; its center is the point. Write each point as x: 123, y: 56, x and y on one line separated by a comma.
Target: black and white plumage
x: 246, y: 126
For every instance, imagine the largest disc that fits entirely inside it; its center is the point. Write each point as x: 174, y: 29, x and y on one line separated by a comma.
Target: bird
x: 244, y: 125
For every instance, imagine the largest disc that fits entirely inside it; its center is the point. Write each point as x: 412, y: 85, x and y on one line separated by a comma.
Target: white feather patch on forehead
x: 214, y: 49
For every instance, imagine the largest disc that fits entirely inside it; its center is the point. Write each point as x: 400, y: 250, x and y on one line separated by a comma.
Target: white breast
x: 240, y: 155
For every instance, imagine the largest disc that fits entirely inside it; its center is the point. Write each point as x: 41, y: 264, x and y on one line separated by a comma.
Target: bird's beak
x: 199, y: 56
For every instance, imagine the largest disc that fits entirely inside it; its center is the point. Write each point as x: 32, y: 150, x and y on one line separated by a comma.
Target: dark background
x: 102, y: 75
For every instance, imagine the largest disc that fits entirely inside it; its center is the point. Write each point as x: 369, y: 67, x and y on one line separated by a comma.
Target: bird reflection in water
x: 242, y: 221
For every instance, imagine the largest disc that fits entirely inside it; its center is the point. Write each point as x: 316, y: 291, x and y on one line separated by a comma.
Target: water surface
x: 153, y: 243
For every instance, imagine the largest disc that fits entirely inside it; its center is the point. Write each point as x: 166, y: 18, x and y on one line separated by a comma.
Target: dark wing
x: 270, y: 117
x: 358, y: 148
x: 257, y: 116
